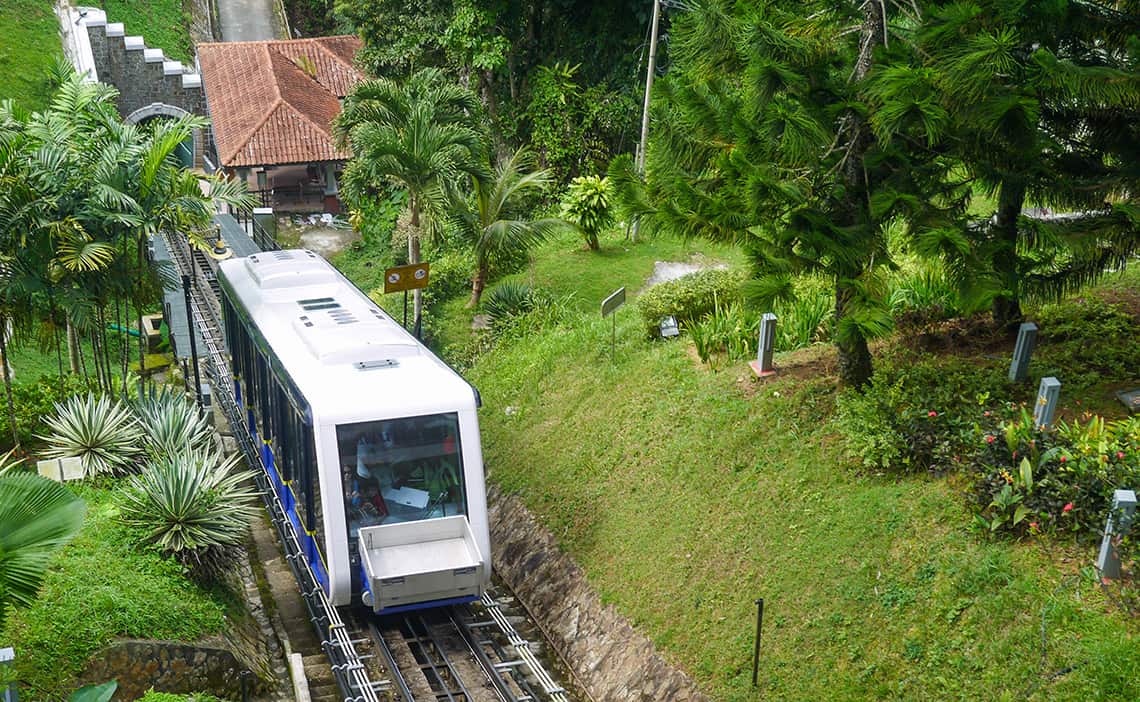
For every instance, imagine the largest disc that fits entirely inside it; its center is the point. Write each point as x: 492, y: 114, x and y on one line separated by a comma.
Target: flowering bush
x: 1059, y: 481
x: 917, y: 415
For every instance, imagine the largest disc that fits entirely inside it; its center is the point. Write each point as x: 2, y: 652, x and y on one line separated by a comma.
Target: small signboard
x: 403, y: 278
x: 614, y: 301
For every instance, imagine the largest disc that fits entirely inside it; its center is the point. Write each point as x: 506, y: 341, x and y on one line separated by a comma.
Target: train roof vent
x: 344, y: 336
x: 279, y: 269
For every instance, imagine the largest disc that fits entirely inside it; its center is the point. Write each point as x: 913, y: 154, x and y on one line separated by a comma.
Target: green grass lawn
x: 101, y: 586
x: 162, y: 23
x: 564, y: 267
x: 686, y: 494
x: 30, y: 48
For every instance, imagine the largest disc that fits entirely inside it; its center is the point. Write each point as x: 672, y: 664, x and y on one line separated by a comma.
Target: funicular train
x: 371, y: 441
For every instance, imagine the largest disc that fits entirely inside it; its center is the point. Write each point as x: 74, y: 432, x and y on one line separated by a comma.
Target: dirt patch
x: 315, y: 235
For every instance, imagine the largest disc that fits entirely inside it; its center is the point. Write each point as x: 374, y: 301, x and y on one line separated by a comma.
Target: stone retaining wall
x: 609, y: 658
x: 167, y: 666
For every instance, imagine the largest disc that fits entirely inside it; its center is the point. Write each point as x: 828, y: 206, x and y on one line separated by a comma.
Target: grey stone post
x: 1046, y: 407
x: 1124, y: 505
x: 763, y: 364
x: 1026, y: 339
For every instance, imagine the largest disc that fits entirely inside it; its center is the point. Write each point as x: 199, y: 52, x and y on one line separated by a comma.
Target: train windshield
x: 401, y: 470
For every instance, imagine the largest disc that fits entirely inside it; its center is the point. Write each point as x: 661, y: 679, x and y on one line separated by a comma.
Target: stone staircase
x: 292, y: 614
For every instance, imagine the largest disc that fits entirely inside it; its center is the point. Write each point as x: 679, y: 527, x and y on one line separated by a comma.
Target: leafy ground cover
x: 30, y: 48
x: 162, y: 23
x: 103, y: 585
x: 686, y: 493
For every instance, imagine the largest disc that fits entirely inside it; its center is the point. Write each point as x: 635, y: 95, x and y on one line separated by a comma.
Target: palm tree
x: 419, y: 135
x: 37, y: 517
x: 487, y: 222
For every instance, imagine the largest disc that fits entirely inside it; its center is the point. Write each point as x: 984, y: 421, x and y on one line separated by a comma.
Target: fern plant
x: 194, y: 507
x: 587, y: 206
x: 102, y: 432
x: 173, y: 423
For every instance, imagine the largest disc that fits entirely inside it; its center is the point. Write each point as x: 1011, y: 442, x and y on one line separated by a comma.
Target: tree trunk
x: 73, y: 352
x: 478, y: 283
x: 140, y: 257
x: 854, y: 356
x: 414, y: 257
x: 1006, y: 306
x: 8, y: 382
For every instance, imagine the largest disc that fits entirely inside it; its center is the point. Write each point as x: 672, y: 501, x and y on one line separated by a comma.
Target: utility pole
x: 648, y: 88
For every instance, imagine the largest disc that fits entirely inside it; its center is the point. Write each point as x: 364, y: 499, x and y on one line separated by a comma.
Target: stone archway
x: 187, y: 151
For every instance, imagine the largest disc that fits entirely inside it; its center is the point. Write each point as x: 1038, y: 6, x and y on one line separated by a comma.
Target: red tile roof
x: 273, y: 102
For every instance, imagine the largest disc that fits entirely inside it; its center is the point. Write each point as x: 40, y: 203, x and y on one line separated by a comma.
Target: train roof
x: 349, y: 358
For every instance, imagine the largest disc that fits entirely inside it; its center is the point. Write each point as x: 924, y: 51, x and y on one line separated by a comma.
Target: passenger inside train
x: 401, y: 470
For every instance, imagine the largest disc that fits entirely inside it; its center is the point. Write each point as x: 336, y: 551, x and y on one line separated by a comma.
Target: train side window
x: 401, y: 470
x: 314, y: 521
x: 262, y: 397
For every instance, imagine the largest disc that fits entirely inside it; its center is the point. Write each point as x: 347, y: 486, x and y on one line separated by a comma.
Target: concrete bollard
x: 1124, y: 505
x: 762, y: 366
x: 1026, y: 340
x: 1045, y: 410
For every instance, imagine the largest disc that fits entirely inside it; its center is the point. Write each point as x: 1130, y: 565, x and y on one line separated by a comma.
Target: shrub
x: 587, y: 205
x: 923, y: 297
x: 173, y: 423
x: 1056, y: 481
x: 1066, y: 334
x: 506, y: 300
x: 100, y: 430
x: 35, y: 403
x: 450, y: 277
x: 917, y: 415
x: 193, y: 507
x: 804, y: 321
x: 689, y: 298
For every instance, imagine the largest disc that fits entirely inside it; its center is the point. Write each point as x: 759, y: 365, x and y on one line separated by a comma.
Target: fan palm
x: 487, y: 222
x: 420, y: 135
x: 37, y: 517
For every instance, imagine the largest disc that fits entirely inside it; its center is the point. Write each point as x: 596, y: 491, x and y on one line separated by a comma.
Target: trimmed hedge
x: 690, y: 297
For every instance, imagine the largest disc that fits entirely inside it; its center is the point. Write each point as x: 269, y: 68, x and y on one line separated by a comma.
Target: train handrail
x: 347, y: 666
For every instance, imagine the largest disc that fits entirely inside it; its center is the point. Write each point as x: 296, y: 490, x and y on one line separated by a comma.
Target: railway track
x: 467, y: 653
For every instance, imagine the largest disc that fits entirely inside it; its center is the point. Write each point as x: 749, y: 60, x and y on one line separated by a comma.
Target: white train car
x: 371, y: 441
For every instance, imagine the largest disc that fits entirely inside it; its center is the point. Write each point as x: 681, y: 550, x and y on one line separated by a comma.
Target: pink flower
x: 986, y: 413
x: 1033, y: 526
x: 1120, y: 455
x: 990, y: 438
x: 931, y: 413
x: 1067, y: 508
x: 1064, y: 458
